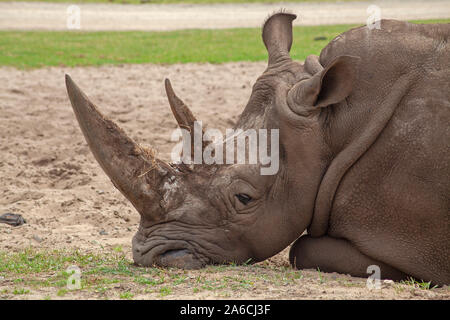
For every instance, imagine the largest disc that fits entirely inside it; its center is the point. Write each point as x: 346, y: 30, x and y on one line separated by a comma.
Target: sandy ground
x: 54, y: 16
x: 50, y: 177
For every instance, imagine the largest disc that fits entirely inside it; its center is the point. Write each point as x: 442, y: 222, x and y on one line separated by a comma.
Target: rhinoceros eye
x: 244, y: 198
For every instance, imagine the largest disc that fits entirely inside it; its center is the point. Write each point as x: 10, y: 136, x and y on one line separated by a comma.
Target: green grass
x: 418, y: 284
x: 112, y: 275
x: 126, y: 295
x: 165, y: 291
x: 41, y: 274
x: 21, y: 291
x: 34, y: 49
x: 29, y: 261
x: 177, y: 1
x: 61, y: 292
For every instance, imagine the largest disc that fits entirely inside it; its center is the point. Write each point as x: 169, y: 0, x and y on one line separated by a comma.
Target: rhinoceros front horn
x: 134, y: 170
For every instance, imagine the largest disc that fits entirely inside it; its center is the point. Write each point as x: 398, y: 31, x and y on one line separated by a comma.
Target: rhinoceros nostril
x: 173, y: 254
x: 179, y: 258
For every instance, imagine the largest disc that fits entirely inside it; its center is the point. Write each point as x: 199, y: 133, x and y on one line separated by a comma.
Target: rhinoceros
x: 363, y: 174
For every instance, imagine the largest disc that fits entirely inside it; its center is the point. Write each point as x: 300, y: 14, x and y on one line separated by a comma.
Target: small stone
x: 37, y: 238
x: 388, y: 283
x: 103, y: 232
x: 12, y: 219
x: 97, y: 205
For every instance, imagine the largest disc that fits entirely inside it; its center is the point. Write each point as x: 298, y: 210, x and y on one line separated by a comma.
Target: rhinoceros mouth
x: 179, y: 258
x: 167, y: 253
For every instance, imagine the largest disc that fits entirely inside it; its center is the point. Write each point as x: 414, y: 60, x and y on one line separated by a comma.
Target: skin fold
x: 363, y: 162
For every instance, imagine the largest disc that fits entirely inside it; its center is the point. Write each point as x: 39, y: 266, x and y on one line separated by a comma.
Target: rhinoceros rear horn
x: 182, y: 114
x: 134, y: 170
x: 180, y: 110
x: 277, y: 36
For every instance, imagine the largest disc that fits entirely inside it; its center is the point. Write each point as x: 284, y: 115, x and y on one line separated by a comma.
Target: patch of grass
x: 126, y: 295
x: 62, y: 292
x: 101, y: 289
x: 349, y: 284
x: 165, y: 291
x: 29, y: 261
x: 110, y: 275
x: 178, y: 279
x: 118, y: 249
x: 21, y: 291
x: 49, y: 268
x: 149, y: 281
x: 121, y: 267
x: 34, y: 49
x: 322, y: 279
x: 398, y: 288
x: 418, y: 284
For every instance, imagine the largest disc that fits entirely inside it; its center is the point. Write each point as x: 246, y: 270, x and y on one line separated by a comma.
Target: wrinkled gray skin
x: 364, y: 162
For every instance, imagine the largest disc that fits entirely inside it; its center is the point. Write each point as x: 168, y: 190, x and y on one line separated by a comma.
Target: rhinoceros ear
x: 329, y: 86
x: 277, y: 35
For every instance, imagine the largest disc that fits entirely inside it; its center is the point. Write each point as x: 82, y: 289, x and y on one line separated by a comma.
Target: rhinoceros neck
x: 392, y: 59
x: 353, y: 150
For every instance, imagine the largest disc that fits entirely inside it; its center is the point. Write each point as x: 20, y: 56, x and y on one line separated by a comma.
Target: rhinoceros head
x: 193, y: 215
